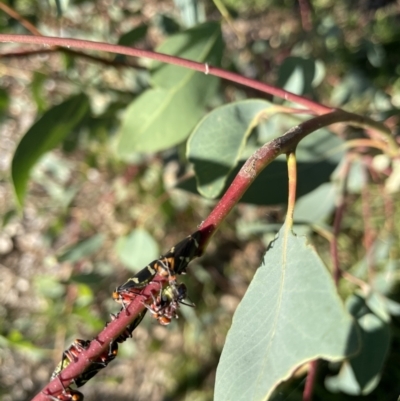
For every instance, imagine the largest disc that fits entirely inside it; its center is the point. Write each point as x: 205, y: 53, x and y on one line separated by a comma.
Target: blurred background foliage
x: 91, y: 216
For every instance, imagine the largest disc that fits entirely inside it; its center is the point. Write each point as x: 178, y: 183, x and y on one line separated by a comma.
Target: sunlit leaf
x: 137, y: 249
x: 316, y: 206
x: 218, y: 141
x: 44, y: 135
x: 317, y: 157
x: 290, y: 314
x: 163, y: 116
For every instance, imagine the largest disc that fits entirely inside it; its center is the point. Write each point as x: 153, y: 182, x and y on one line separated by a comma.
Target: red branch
x: 310, y: 381
x: 265, y: 155
x: 201, y: 67
x: 254, y: 165
x: 109, y: 333
x: 102, y: 60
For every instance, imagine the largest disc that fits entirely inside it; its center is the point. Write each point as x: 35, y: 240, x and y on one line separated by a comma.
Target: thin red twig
x: 310, y: 381
x: 17, y: 16
x: 201, y: 67
x: 264, y: 156
x: 102, y: 60
x: 31, y: 28
x: 319, y: 109
x: 255, y: 164
x: 101, y: 344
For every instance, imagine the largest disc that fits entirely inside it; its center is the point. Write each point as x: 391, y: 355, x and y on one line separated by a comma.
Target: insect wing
x: 183, y: 252
x: 140, y: 279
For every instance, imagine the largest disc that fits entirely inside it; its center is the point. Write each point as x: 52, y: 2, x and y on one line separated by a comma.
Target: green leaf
x: 89, y: 279
x: 82, y: 249
x: 49, y: 287
x: 166, y: 24
x: 218, y: 141
x: 164, y: 116
x: 296, y: 75
x: 352, y: 86
x: 134, y: 35
x: 137, y: 249
x: 361, y: 373
x: 316, y: 206
x: 290, y: 314
x: 130, y: 38
x: 4, y: 102
x: 318, y: 156
x: 44, y: 135
x: 38, y: 92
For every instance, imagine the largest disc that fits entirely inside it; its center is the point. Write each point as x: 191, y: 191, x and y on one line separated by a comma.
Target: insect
x: 183, y: 252
x: 165, y: 305
x: 69, y: 355
x: 67, y: 395
x: 173, y: 262
x: 72, y: 354
x: 127, y: 333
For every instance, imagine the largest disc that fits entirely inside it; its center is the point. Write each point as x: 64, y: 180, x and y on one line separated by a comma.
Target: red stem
x: 194, y: 65
x: 113, y: 63
x: 17, y: 16
x: 109, y: 333
x: 254, y: 165
x: 310, y: 381
x: 261, y: 158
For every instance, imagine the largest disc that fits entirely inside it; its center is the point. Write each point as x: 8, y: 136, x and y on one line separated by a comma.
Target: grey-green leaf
x: 82, y: 249
x: 164, y: 115
x: 361, y: 373
x: 317, y: 157
x: 317, y: 205
x: 137, y: 249
x: 44, y: 135
x: 290, y: 314
x: 296, y: 74
x: 218, y: 141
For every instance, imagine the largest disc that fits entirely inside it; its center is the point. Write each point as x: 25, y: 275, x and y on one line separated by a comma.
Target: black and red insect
x: 168, y: 265
x: 173, y: 262
x: 72, y: 354
x: 165, y: 304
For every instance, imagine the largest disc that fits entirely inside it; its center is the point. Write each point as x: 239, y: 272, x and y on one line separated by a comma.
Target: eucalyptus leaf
x: 218, y: 141
x: 82, y: 249
x: 137, y: 249
x: 52, y: 128
x: 218, y: 146
x: 296, y: 75
x: 317, y: 205
x: 360, y: 374
x: 290, y: 314
x: 164, y: 115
